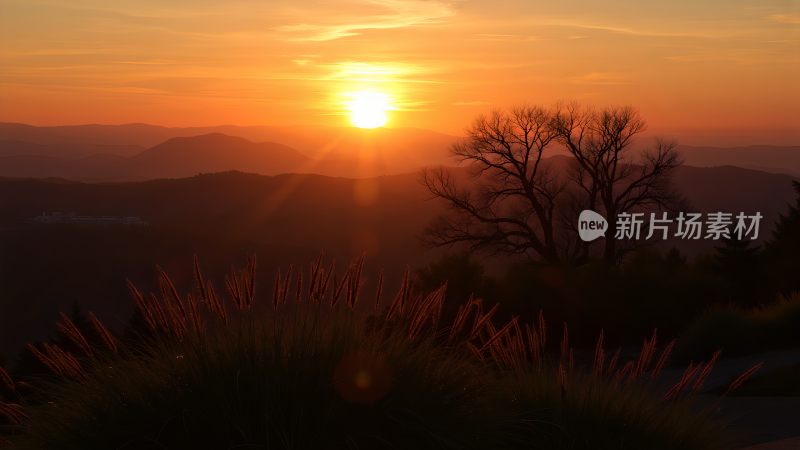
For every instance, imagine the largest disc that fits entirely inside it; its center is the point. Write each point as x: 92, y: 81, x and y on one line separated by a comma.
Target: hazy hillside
x: 65, y: 150
x: 175, y: 158
x: 762, y: 157
x: 87, y: 168
x: 337, y: 151
x: 215, y: 152
x: 138, y: 134
x: 186, y: 157
x: 404, y: 148
x: 253, y: 206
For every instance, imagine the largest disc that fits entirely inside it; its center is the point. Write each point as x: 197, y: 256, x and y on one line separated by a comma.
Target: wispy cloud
x: 499, y: 37
x: 375, y: 73
x: 744, y: 56
x: 792, y: 19
x: 391, y: 14
x: 472, y: 103
x: 701, y: 30
x: 600, y: 79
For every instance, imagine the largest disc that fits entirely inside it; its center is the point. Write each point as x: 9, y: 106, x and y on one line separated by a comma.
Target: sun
x: 368, y: 109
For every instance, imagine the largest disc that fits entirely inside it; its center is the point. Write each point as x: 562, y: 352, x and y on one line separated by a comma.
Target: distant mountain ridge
x: 769, y: 158
x: 188, y: 156
x: 724, y: 188
x: 175, y: 158
x: 141, y: 151
x: 65, y: 150
x: 327, y: 150
x: 313, y: 141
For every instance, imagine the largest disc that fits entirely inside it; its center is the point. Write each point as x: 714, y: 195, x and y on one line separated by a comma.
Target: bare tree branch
x: 508, y: 205
x: 513, y: 201
x: 601, y: 143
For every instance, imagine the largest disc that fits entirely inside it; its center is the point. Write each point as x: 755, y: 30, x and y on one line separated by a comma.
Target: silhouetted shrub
x: 465, y: 278
x: 739, y: 331
x: 314, y: 371
x: 308, y: 384
x: 782, y: 252
x: 650, y: 290
x: 588, y: 415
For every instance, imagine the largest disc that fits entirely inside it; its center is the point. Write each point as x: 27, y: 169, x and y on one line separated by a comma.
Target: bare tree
x: 514, y: 202
x: 605, y: 172
x: 509, y: 205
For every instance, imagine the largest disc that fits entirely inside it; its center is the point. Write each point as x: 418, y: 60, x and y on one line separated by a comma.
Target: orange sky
x: 721, y: 64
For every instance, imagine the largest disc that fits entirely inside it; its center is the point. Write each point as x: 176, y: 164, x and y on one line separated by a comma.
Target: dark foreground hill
x: 222, y: 217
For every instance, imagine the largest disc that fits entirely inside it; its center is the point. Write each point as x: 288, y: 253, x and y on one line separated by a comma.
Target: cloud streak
x: 791, y: 19
x: 392, y: 14
x: 601, y: 79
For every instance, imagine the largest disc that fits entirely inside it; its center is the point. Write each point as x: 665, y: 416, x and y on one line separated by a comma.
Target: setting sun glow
x: 368, y: 109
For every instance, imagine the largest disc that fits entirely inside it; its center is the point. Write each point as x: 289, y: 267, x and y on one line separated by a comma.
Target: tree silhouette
x: 738, y: 262
x: 510, y: 205
x: 609, y: 179
x: 515, y: 202
x: 783, y: 249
